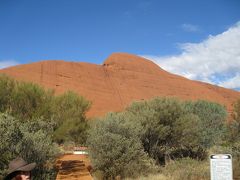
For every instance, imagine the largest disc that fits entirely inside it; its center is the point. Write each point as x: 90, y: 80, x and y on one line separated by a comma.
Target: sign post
x: 221, y: 167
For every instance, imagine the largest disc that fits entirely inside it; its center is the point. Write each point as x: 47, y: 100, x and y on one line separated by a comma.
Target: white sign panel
x: 221, y: 167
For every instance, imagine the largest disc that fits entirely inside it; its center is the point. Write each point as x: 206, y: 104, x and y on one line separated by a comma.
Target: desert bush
x: 115, y: 148
x: 7, y: 86
x: 28, y: 101
x: 212, y: 124
x: 31, y: 101
x: 29, y: 140
x: 233, y: 127
x: 69, y: 112
x: 236, y: 111
x: 168, y: 130
x: 157, y: 118
x: 24, y: 100
x: 230, y: 144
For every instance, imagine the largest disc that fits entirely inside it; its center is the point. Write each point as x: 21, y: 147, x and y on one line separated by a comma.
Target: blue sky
x: 169, y: 32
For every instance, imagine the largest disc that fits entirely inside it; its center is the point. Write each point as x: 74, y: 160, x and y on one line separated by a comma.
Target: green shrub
x: 236, y: 111
x: 233, y: 127
x: 33, y: 117
x: 166, y: 128
x: 157, y: 118
x: 31, y: 141
x: 231, y: 141
x: 212, y: 120
x: 24, y: 100
x: 69, y: 112
x: 7, y: 86
x: 170, y: 129
x: 27, y: 101
x: 115, y: 148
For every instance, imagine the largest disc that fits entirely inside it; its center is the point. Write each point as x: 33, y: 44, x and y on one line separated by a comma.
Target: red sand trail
x: 73, y: 167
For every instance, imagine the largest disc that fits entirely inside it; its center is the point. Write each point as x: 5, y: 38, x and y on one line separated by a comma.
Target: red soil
x: 73, y: 167
x: 121, y: 79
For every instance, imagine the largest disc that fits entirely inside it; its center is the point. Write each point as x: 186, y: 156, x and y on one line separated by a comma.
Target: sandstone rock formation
x: 121, y: 79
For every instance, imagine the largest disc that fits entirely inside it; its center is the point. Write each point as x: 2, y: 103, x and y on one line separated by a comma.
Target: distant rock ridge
x: 120, y: 80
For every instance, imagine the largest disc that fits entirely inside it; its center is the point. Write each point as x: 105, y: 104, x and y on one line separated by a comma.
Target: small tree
x: 30, y: 101
x: 158, y: 118
x: 70, y: 115
x: 115, y: 148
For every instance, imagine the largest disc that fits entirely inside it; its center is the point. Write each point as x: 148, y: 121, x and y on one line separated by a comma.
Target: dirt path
x: 73, y: 167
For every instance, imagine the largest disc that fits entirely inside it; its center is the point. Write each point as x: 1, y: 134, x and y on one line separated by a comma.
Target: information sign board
x: 221, y: 167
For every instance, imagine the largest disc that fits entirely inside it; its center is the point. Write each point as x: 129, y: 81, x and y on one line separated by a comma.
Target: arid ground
x: 73, y: 167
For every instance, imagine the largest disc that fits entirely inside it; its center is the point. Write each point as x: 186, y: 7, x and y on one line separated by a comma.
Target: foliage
x: 168, y: 130
x: 234, y: 125
x: 231, y: 140
x: 236, y: 112
x: 30, y: 140
x: 7, y: 87
x: 69, y: 111
x: 24, y: 100
x: 32, y: 116
x: 28, y: 101
x: 212, y: 121
x: 115, y: 149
